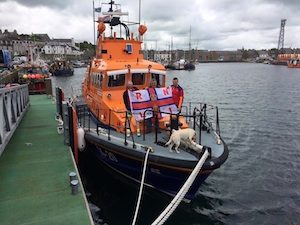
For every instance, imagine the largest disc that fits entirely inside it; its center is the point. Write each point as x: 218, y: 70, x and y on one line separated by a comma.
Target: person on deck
x: 126, y: 100
x: 153, y: 97
x: 177, y: 93
x: 150, y: 123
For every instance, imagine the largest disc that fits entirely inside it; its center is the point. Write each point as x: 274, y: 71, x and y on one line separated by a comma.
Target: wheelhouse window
x: 159, y: 79
x: 97, y: 79
x: 138, y: 78
x: 116, y: 80
x: 129, y: 48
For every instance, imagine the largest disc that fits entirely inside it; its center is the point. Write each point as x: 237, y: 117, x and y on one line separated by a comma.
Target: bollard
x: 74, y: 186
x: 72, y: 176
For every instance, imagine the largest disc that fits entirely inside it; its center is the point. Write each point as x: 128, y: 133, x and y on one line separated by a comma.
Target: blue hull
x: 162, y: 178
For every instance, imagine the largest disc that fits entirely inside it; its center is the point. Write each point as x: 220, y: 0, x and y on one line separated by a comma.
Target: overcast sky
x: 215, y: 24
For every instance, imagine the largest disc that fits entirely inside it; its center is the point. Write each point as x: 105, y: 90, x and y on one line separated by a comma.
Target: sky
x: 215, y: 24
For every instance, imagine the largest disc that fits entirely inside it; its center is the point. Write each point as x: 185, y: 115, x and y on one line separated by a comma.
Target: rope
x: 182, y: 192
x: 141, y: 187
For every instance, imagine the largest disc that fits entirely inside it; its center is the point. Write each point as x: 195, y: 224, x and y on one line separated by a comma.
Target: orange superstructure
x: 118, y: 60
x: 292, y: 60
x: 287, y: 57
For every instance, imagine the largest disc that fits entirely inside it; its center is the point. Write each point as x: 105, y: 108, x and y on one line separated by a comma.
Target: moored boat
x: 120, y: 137
x: 35, y: 76
x: 294, y: 63
x: 78, y: 64
x: 189, y: 66
x: 62, y: 68
x: 182, y: 64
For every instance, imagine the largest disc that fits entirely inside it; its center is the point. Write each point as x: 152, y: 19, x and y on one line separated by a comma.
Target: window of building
x: 138, y: 78
x: 116, y: 80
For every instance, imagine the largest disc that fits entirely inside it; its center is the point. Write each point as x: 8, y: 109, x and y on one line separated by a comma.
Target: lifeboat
x: 122, y: 125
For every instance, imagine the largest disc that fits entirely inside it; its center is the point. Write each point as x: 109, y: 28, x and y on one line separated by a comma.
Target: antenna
x: 190, y: 44
x: 190, y: 38
x: 281, y: 35
x: 94, y: 25
x: 111, y: 5
x: 140, y: 12
x: 171, y: 49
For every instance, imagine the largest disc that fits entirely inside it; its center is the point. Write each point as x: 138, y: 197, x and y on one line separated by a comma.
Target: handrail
x: 217, y: 122
x: 201, y: 118
x: 125, y: 131
x: 14, y: 102
x: 109, y: 121
x: 156, y: 127
x: 144, y: 120
x: 127, y: 121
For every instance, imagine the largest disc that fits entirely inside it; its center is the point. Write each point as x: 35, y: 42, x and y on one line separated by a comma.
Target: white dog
x: 187, y: 134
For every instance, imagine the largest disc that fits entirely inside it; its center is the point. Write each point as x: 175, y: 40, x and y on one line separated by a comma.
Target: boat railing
x: 85, y: 117
x: 173, y: 122
x: 210, y: 114
x: 199, y: 116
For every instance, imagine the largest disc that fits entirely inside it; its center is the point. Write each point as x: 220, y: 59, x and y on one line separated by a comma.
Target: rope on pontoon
x: 141, y: 186
x: 182, y: 192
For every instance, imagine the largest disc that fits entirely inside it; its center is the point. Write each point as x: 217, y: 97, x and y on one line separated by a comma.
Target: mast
x: 94, y: 25
x: 139, y: 17
x: 115, y: 18
x: 190, y: 45
x: 140, y: 12
x: 111, y: 5
x: 111, y: 10
x: 171, y: 49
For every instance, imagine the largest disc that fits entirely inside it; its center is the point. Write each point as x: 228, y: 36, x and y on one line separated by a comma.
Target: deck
x: 34, y: 173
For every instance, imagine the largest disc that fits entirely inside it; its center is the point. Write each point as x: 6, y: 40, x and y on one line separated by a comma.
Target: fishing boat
x: 78, y: 64
x: 35, y: 73
x: 61, y: 68
x: 189, y: 66
x: 35, y: 76
x: 120, y: 138
x: 181, y: 64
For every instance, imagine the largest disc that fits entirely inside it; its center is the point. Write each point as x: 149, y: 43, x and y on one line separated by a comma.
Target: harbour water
x: 259, y: 109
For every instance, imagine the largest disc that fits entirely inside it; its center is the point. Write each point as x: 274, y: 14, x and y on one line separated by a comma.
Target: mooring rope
x: 141, y: 187
x: 182, y: 192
